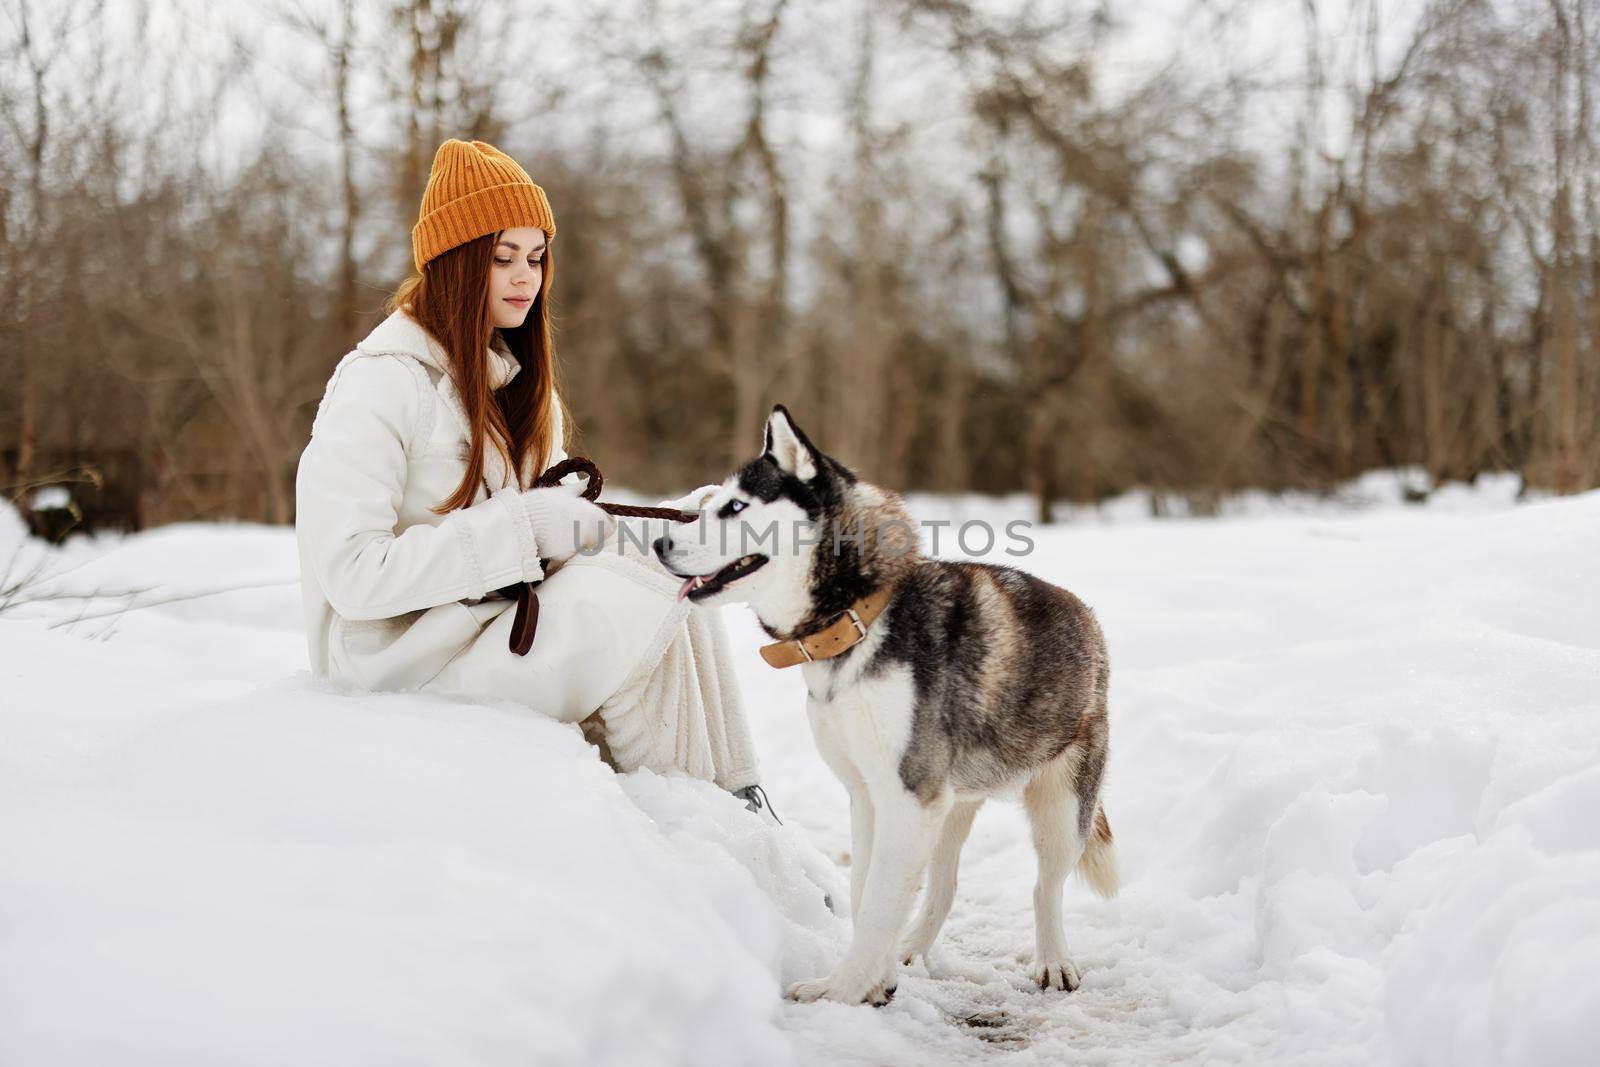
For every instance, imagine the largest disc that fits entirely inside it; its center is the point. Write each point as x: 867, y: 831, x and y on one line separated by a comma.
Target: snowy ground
x: 1354, y: 783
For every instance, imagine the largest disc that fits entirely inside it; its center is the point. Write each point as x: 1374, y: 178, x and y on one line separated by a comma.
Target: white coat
x: 394, y: 594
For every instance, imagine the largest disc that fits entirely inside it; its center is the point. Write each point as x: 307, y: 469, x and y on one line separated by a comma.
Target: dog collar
x: 834, y: 638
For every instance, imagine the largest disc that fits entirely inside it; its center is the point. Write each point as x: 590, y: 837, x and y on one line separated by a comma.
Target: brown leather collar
x: 834, y: 638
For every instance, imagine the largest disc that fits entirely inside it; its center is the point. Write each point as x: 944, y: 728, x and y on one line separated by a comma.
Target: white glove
x: 564, y: 522
x: 692, y: 501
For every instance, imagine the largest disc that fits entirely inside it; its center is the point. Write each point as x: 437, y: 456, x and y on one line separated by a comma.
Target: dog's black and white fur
x: 977, y: 680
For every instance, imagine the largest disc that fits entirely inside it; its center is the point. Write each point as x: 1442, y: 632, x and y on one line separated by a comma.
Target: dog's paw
x: 845, y: 990
x: 911, y: 948
x: 806, y: 992
x: 1058, y: 973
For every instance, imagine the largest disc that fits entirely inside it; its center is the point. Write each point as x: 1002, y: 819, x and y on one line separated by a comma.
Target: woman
x: 411, y: 511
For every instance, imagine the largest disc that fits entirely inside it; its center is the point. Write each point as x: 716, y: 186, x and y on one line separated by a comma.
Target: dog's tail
x: 1098, y: 864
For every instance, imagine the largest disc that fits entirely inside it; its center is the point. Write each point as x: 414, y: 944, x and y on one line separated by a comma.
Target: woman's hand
x: 563, y: 522
x: 692, y: 501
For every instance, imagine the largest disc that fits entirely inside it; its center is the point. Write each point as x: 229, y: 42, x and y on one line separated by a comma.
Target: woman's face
x: 515, y: 274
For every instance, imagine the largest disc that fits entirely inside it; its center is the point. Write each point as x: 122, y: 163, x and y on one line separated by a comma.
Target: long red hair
x: 450, y: 299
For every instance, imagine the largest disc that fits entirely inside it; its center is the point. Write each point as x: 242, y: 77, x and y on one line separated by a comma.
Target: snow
x: 1354, y: 775
x: 50, y: 497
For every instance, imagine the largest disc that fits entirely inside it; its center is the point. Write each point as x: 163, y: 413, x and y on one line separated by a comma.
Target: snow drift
x: 1355, y: 765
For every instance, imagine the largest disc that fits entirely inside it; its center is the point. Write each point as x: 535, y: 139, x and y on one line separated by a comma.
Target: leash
x: 526, y: 621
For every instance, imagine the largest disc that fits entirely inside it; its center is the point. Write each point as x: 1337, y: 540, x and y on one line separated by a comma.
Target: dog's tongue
x: 688, y: 584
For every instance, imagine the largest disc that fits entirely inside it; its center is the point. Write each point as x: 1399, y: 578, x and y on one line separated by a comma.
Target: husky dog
x: 972, y: 680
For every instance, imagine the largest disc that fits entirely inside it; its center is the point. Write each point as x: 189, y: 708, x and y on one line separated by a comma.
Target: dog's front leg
x: 860, y: 846
x: 903, y: 830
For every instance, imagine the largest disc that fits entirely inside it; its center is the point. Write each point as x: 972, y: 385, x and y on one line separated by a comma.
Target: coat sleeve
x: 348, y: 491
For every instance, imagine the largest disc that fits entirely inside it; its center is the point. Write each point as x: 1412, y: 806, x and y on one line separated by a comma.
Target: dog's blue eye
x: 732, y: 507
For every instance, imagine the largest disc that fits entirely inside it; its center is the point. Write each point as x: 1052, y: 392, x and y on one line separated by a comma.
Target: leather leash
x: 526, y: 621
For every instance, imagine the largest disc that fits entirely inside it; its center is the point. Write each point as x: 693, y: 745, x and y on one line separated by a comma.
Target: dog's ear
x: 788, y: 446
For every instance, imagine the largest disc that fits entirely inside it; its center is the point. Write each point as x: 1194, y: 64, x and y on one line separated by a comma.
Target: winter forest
x: 1066, y: 249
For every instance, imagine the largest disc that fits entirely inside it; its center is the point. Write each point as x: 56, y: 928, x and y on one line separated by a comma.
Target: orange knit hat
x: 474, y: 189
